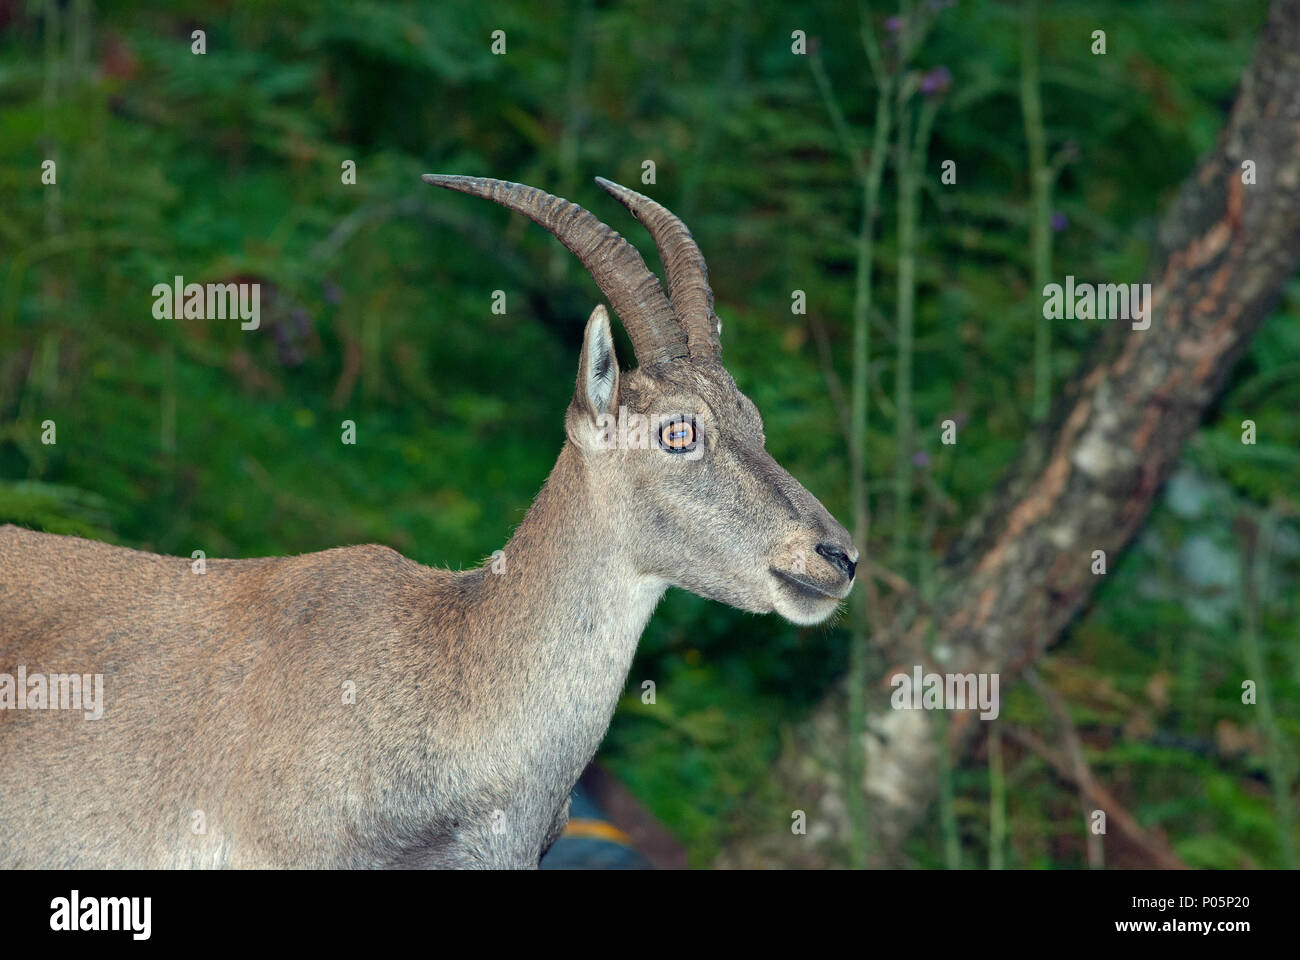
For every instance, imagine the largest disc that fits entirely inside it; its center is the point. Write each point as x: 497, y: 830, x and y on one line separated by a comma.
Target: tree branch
x: 1159, y: 852
x: 1224, y: 251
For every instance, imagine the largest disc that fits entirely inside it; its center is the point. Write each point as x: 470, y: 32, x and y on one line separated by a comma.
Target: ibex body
x: 226, y: 738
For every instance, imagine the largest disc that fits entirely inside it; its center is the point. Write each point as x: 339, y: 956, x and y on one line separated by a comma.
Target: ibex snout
x: 817, y: 572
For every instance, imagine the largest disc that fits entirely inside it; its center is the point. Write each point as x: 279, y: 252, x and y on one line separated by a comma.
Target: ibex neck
x: 569, y: 556
x: 559, y: 618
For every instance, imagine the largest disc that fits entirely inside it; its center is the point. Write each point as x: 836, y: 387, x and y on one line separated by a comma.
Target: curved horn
x: 616, y: 266
x: 688, y: 275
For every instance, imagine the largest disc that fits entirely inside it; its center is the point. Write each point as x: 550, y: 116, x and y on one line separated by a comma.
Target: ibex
x: 228, y: 736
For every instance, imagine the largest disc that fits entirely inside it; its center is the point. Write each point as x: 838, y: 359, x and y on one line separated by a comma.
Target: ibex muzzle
x: 353, y: 708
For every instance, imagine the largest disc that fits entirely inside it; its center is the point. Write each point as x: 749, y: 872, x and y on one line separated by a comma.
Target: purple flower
x: 936, y: 81
x: 332, y: 293
x: 894, y: 24
x: 921, y: 459
x: 1059, y: 221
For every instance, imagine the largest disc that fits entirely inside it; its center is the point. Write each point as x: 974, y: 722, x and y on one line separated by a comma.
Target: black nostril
x: 838, y: 558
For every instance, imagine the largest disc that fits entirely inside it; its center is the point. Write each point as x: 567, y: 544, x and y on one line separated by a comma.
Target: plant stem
x: 913, y: 149
x: 1256, y: 547
x: 869, y: 176
x: 927, y: 588
x: 947, y: 796
x: 997, y: 798
x: 1040, y: 226
x: 905, y: 293
x: 52, y: 76
x: 861, y: 507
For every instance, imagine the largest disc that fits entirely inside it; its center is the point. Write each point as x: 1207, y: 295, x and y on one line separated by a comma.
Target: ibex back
x: 226, y: 739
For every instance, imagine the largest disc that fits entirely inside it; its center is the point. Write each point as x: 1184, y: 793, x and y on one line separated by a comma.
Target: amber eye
x: 677, y: 435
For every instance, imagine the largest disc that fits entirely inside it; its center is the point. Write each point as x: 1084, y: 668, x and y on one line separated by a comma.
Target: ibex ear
x: 597, y: 390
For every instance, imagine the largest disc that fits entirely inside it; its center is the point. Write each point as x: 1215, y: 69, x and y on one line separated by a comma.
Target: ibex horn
x: 616, y: 266
x: 688, y: 275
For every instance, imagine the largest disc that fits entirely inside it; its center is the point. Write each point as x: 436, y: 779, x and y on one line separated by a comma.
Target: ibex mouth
x: 802, y: 587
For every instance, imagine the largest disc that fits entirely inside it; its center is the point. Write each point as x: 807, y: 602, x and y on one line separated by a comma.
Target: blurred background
x: 377, y: 307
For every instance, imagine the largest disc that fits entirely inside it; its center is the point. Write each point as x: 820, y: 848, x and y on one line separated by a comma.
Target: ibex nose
x: 838, y: 558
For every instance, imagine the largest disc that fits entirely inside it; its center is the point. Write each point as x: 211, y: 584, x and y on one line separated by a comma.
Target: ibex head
x: 672, y: 449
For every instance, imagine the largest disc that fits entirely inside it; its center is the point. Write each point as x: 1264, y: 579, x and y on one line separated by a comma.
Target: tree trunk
x: 1224, y: 251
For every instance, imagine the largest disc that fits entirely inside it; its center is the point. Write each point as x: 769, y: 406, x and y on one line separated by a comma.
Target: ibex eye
x: 677, y: 435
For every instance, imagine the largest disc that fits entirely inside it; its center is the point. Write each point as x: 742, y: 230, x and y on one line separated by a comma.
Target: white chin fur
x: 804, y: 613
